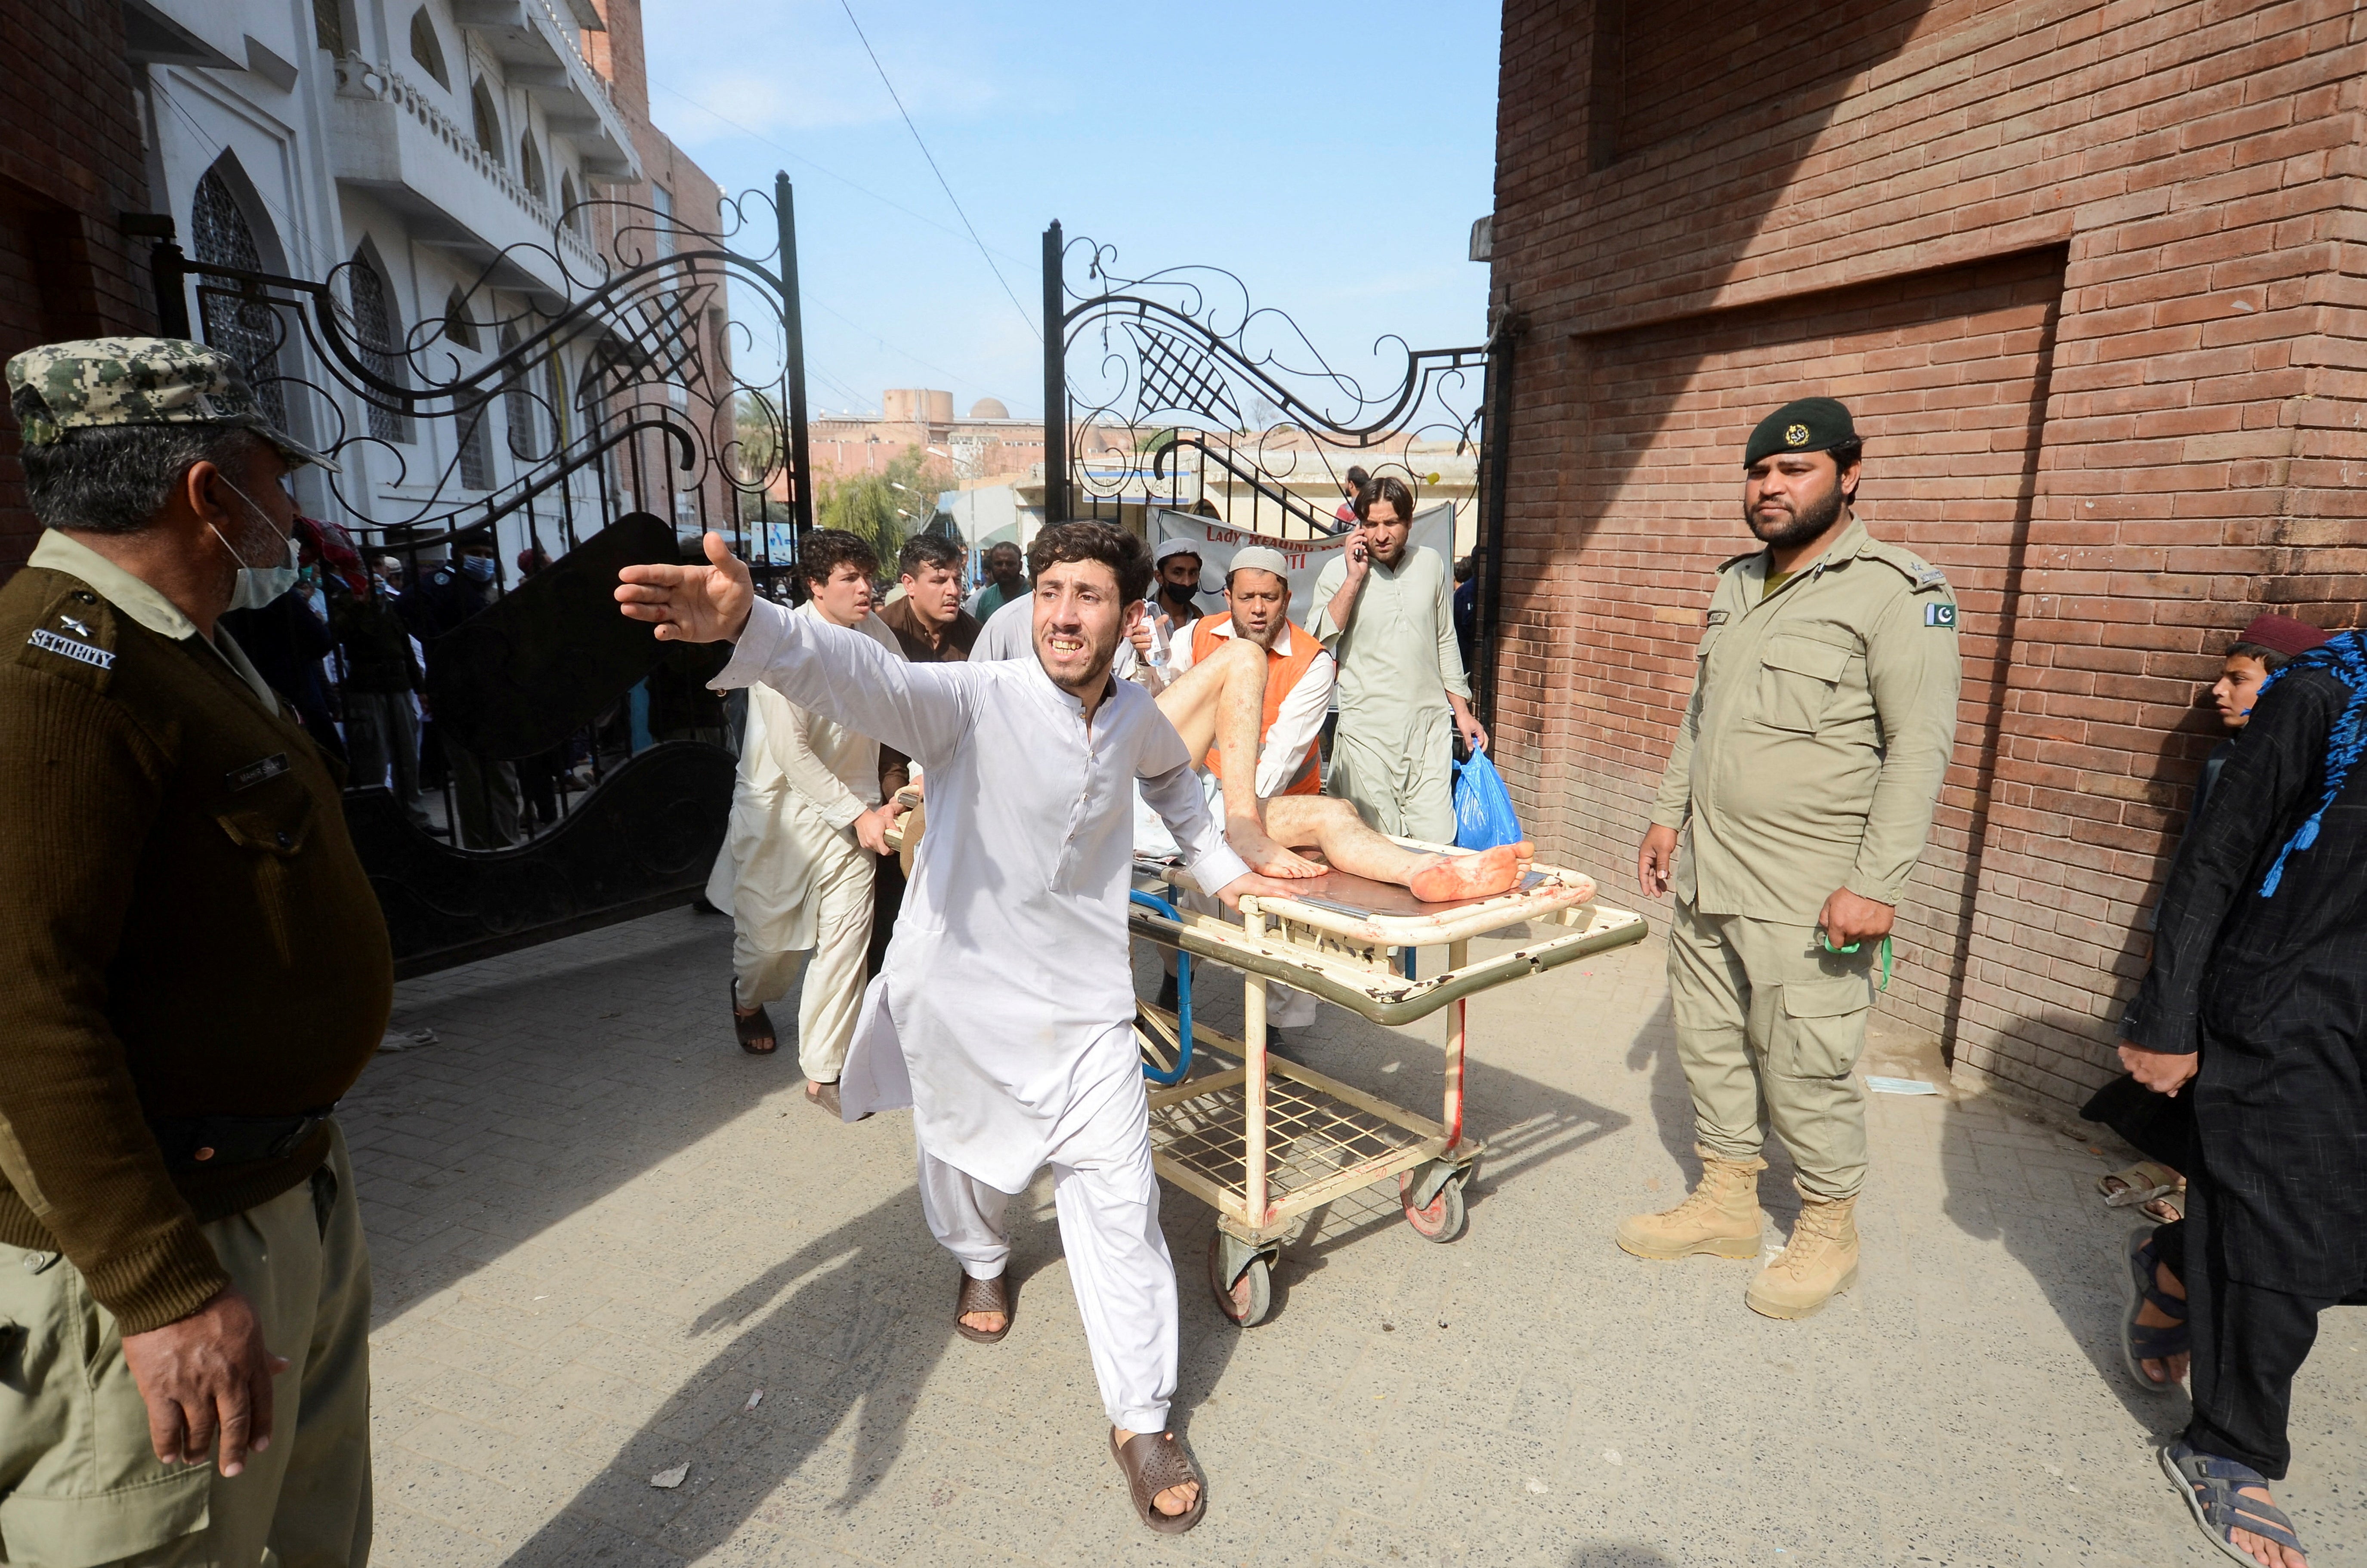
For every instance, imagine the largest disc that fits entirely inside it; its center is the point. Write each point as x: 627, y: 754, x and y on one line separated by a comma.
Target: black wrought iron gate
x: 577, y: 407
x: 1190, y: 397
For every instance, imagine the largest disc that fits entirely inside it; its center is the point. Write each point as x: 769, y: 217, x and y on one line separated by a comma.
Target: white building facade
x: 430, y: 157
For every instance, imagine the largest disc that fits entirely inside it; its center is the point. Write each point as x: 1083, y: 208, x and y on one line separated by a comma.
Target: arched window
x: 570, y: 211
x: 379, y: 342
x: 221, y: 234
x: 489, y: 122
x: 518, y: 408
x: 427, y: 49
x: 530, y: 167
x: 458, y: 330
x: 554, y: 393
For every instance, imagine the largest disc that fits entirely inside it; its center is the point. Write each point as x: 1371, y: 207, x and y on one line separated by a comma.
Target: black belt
x: 210, y: 1143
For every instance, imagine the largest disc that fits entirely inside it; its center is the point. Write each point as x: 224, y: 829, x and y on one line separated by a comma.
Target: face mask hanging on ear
x: 257, y: 586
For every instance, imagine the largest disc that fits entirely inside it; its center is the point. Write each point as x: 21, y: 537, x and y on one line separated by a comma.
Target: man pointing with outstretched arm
x: 1004, y: 1015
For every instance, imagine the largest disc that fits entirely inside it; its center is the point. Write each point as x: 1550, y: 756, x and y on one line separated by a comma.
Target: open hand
x: 691, y: 604
x: 204, y: 1375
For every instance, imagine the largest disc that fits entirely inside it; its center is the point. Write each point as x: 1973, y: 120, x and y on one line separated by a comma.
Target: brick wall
x: 70, y: 163
x: 2087, y: 273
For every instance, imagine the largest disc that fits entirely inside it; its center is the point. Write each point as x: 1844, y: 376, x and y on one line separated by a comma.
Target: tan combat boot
x: 1721, y: 1217
x: 1818, y: 1263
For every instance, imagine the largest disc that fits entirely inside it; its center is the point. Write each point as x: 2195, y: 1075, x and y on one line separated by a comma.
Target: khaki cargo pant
x: 80, y: 1486
x: 1769, y: 1027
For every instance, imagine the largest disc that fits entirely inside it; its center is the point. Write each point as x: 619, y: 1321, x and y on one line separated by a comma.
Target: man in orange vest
x: 1254, y: 720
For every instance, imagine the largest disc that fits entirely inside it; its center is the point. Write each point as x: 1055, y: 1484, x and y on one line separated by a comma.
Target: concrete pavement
x: 599, y: 1230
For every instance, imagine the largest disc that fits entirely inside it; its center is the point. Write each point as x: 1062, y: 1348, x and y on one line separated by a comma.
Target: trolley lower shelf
x: 1264, y: 1140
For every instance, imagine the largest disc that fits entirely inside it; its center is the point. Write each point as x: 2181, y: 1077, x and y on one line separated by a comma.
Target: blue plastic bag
x: 1483, y: 812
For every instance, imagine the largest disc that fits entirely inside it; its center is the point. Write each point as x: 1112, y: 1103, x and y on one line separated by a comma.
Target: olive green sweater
x: 184, y: 931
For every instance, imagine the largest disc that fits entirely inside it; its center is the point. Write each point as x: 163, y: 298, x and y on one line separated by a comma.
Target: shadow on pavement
x: 1620, y: 1554
x: 2060, y: 1248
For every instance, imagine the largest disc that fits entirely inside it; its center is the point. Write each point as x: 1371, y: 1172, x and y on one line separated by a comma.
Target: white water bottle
x: 1158, y: 634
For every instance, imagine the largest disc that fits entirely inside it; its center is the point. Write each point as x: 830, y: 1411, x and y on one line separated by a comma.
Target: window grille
x: 249, y: 333
x: 375, y: 330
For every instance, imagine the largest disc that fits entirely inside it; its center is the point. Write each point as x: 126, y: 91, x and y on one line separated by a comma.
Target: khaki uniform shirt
x: 1822, y: 715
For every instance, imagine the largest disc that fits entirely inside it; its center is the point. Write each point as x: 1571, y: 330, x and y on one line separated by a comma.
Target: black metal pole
x: 792, y: 330
x: 1056, y: 383
x: 1497, y: 437
x: 168, y: 269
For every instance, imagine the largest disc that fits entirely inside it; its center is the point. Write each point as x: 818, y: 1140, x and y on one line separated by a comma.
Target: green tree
x: 889, y: 507
x: 760, y: 429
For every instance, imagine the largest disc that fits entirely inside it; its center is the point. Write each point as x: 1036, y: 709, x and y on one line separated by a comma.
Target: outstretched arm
x: 921, y: 710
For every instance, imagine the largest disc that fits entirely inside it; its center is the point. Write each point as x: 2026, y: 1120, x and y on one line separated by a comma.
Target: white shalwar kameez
x: 791, y: 872
x: 1004, y: 1017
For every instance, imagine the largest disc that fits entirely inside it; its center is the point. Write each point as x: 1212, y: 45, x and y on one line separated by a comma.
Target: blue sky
x: 1334, y: 155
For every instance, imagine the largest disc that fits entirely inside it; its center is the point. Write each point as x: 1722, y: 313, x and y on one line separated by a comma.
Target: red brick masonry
x: 2090, y: 276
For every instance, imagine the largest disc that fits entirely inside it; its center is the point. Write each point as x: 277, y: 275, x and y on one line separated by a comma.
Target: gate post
x: 1496, y: 446
x: 1056, y: 383
x: 793, y: 359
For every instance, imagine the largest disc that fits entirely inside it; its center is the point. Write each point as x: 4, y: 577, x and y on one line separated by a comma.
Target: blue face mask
x: 479, y: 568
x: 258, y: 585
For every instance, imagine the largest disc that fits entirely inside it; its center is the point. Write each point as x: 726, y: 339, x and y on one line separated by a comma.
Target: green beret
x: 1803, y: 424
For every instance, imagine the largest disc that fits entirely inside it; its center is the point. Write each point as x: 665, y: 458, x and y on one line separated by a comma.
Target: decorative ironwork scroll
x: 584, y: 390
x: 1181, y: 391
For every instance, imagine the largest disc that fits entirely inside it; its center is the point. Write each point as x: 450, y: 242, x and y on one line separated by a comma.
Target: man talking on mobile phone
x: 1385, y: 609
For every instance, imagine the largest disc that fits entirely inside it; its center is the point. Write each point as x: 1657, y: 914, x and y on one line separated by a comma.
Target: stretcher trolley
x: 1265, y: 1141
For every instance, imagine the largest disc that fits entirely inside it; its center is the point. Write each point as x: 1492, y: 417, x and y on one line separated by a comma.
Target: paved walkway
x: 600, y: 1231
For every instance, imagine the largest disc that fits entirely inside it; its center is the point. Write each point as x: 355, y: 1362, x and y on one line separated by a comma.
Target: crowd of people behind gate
x: 197, y: 971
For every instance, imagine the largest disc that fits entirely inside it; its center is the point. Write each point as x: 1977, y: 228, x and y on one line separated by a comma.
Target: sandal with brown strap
x: 753, y: 1026
x: 983, y: 1296
x: 1153, y: 1462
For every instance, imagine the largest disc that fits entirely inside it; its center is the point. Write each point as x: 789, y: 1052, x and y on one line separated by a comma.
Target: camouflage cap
x: 107, y: 381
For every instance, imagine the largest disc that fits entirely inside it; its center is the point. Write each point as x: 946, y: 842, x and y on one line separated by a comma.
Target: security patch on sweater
x: 261, y: 770
x: 65, y: 647
x: 1940, y: 615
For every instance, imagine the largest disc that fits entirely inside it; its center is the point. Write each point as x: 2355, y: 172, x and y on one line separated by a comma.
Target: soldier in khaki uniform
x: 1802, y: 779
x: 193, y: 969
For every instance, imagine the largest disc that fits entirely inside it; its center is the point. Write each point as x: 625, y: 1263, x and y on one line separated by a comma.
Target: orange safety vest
x: 1281, y: 673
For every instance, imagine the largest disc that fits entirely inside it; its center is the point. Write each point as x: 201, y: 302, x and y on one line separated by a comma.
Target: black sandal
x: 983, y: 1296
x: 752, y: 1027
x: 1153, y: 1462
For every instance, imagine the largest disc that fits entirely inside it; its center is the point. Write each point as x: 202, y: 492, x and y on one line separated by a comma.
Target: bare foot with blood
x: 1446, y: 877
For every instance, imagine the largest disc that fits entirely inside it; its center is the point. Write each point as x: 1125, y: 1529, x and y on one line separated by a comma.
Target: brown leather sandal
x: 983, y: 1296
x: 753, y: 1026
x: 1151, y: 1462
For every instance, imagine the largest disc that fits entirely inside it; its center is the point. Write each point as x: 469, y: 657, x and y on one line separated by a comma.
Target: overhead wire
x: 795, y: 156
x: 946, y: 186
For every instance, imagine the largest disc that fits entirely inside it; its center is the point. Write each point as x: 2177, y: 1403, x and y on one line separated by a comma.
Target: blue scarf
x: 2344, y: 656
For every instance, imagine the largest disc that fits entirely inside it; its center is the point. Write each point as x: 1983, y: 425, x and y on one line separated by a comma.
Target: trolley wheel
x: 1442, y: 1220
x: 1246, y: 1301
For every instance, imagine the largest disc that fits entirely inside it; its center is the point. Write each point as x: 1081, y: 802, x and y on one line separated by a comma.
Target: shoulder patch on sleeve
x: 1922, y: 576
x: 72, y: 635
x: 1936, y: 614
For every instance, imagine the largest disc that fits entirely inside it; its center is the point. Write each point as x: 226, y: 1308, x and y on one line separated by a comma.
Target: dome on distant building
x: 989, y: 407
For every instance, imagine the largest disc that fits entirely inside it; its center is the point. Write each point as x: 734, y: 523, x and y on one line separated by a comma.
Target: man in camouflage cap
x: 194, y: 969
x: 1802, y: 781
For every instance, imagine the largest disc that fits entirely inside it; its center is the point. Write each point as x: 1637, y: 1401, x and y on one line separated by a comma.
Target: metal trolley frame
x: 1268, y: 1141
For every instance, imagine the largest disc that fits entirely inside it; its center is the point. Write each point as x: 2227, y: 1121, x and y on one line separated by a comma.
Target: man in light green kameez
x: 1384, y: 610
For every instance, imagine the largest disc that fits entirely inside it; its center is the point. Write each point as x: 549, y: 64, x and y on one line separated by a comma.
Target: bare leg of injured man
x: 1220, y: 704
